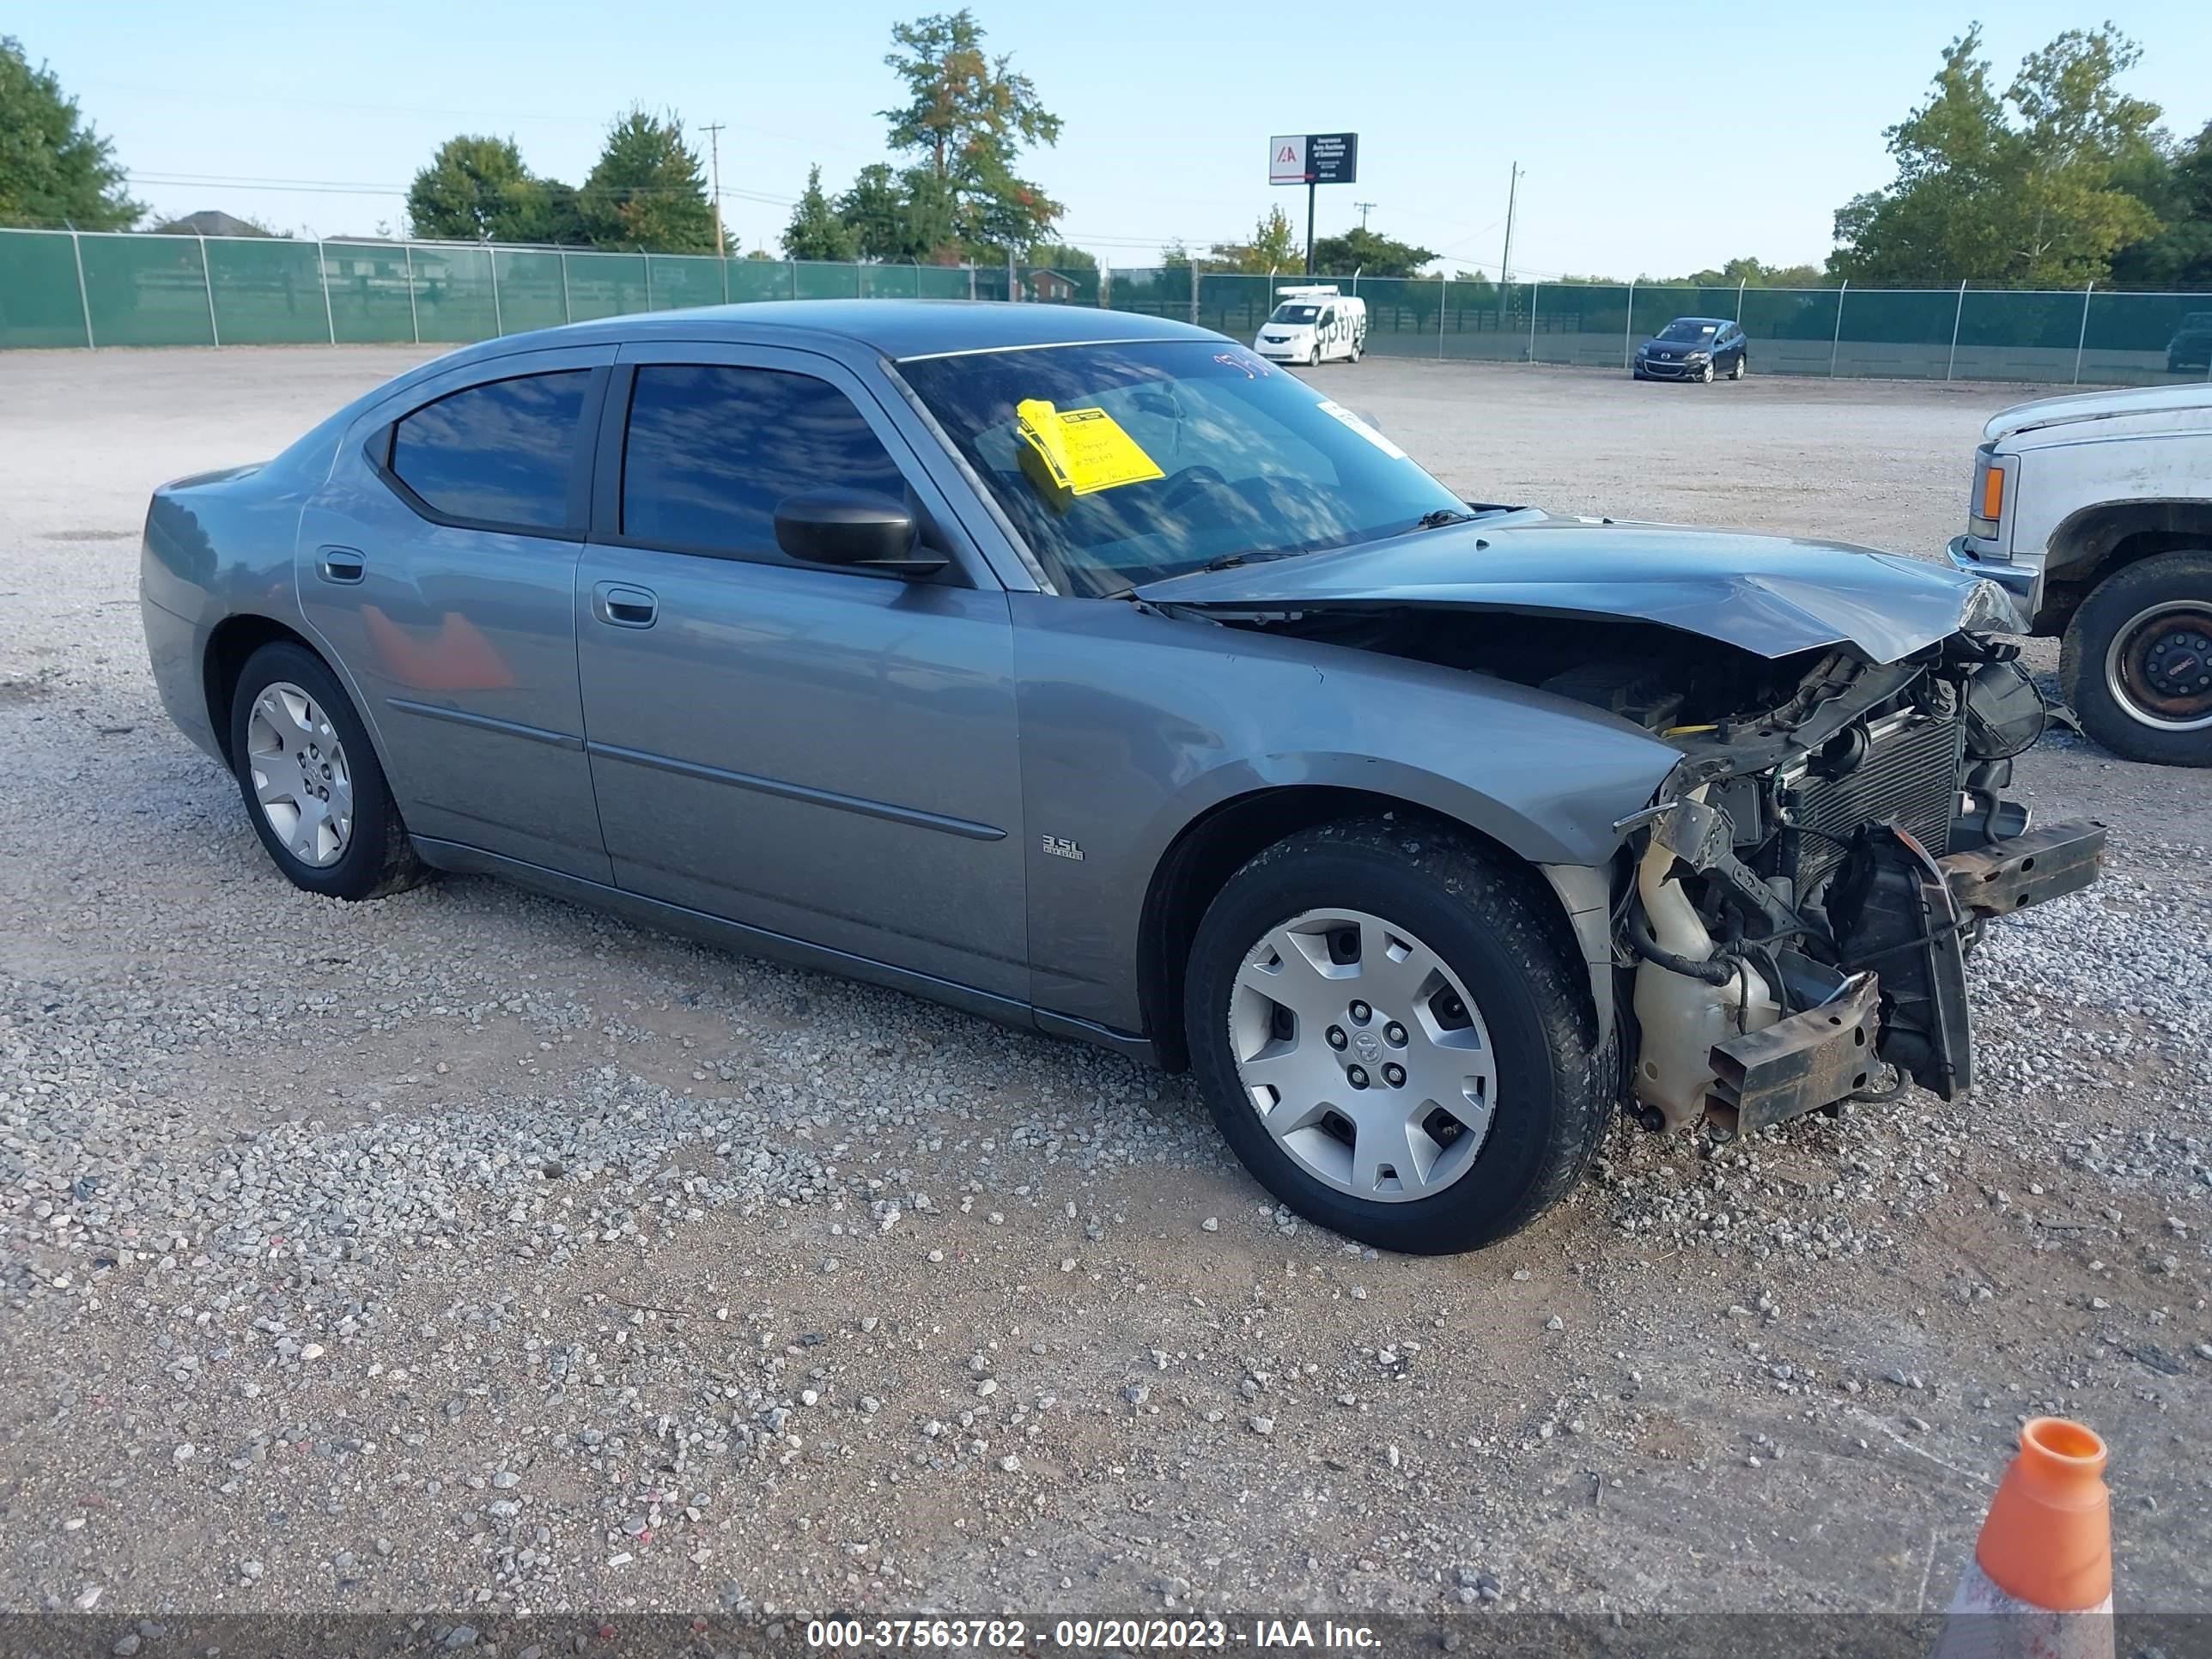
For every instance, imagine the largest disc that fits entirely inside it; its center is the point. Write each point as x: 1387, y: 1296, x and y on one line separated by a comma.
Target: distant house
x: 1050, y: 286
x: 212, y: 221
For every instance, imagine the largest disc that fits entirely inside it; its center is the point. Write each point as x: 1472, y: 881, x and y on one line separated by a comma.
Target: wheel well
x: 233, y: 643
x: 1215, y: 846
x: 2101, y: 540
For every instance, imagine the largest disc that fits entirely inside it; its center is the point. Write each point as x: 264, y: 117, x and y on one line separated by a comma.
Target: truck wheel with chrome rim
x: 313, y: 790
x: 1395, y: 1036
x: 2137, y: 661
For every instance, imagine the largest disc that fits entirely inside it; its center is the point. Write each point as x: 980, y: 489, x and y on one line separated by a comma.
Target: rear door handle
x: 340, y: 564
x: 622, y: 605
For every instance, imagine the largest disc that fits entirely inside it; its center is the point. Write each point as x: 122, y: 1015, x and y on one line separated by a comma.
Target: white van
x: 1313, y: 324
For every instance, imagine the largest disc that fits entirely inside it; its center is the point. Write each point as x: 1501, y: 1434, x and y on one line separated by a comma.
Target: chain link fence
x: 61, y: 288
x: 2082, y: 337
x: 117, y: 288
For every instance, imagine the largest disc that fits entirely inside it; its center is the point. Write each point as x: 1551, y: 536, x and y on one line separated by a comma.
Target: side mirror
x: 856, y: 529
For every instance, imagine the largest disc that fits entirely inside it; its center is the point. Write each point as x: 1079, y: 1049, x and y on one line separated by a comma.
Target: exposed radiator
x: 1909, y: 777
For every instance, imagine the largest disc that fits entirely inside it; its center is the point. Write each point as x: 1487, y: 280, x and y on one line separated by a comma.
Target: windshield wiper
x: 1439, y: 517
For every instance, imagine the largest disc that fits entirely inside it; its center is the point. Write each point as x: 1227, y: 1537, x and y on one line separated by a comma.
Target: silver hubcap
x: 2159, y: 666
x: 300, y: 775
x: 1363, y: 1055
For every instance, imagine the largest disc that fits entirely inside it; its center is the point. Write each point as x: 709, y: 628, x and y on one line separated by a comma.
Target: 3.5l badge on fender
x: 1062, y: 848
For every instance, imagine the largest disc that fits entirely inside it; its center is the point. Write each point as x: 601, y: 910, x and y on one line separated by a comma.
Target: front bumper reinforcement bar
x: 1797, y: 1064
x: 2010, y: 875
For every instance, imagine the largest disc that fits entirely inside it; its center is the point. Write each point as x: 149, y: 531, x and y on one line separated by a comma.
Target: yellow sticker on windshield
x: 1068, y: 453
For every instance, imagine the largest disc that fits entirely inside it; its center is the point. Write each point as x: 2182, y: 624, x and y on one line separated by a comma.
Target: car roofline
x: 890, y: 330
x: 1037, y: 345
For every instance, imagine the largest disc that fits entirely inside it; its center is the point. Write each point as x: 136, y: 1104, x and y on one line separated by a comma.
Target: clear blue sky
x: 1655, y: 139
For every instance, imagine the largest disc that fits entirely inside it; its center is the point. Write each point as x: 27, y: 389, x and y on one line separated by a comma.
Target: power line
x: 341, y: 187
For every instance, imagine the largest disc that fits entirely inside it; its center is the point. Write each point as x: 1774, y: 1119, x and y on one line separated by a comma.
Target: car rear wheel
x: 1742, y: 366
x: 2137, y: 661
x: 1392, y: 1039
x: 312, y: 784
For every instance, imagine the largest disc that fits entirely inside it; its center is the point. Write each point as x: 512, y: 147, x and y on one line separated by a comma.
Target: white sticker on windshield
x: 1341, y: 413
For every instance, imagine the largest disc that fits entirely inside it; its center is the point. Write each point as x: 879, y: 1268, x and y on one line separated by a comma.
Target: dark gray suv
x: 1087, y: 671
x: 1694, y: 349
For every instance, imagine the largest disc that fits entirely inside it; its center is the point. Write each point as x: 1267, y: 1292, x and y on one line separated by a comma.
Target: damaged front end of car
x: 1791, y: 911
x: 1803, y: 893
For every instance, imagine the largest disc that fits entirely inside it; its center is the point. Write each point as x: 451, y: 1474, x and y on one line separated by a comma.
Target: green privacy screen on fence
x: 121, y: 289
x: 2095, y: 338
x: 60, y: 289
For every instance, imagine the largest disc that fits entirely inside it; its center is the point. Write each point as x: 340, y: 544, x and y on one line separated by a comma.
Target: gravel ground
x: 472, y: 1252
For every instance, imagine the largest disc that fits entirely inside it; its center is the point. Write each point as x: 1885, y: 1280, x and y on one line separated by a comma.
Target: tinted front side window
x: 711, y: 450
x: 501, y: 453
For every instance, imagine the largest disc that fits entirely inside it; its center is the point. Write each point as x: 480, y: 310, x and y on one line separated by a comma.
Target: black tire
x: 1706, y: 374
x: 1489, y: 920
x: 1742, y: 366
x: 2113, y: 604
x: 379, y: 859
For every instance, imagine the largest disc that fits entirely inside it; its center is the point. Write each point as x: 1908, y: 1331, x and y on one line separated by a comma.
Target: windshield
x: 1176, y: 452
x: 1288, y: 313
x: 1689, y: 331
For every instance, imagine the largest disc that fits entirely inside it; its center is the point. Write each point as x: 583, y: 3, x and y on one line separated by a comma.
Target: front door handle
x: 340, y: 564
x: 619, y: 604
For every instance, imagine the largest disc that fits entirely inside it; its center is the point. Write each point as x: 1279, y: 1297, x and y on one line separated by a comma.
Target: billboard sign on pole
x: 1314, y: 158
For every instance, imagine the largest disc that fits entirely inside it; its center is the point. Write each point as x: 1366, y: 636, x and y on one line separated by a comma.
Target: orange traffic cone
x: 2040, y: 1583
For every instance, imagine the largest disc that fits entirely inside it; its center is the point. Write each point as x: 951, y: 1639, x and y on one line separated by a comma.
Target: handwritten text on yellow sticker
x: 1068, y: 452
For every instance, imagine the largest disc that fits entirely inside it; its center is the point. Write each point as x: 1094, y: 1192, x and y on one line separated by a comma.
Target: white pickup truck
x: 2094, y: 511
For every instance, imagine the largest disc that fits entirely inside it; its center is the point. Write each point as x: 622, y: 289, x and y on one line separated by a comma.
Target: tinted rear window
x: 501, y: 453
x: 711, y: 450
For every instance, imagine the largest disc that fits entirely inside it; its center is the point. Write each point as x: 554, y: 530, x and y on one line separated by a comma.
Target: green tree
x: 1369, y: 253
x: 648, y: 190
x: 2020, y: 189
x: 1753, y: 273
x: 968, y: 117
x: 898, y: 216
x: 55, y: 168
x: 476, y: 190
x: 1060, y: 256
x: 1273, y: 246
x: 2177, y: 188
x: 814, y: 231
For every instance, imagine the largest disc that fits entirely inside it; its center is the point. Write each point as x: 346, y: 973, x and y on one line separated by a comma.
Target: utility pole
x: 1505, y: 262
x: 1310, y: 208
x: 1363, y: 207
x: 714, y: 150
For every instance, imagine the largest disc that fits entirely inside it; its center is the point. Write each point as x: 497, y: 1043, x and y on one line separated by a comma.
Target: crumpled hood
x: 1773, y: 595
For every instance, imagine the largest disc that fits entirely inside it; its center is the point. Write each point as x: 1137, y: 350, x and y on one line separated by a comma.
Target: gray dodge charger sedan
x: 1084, y: 670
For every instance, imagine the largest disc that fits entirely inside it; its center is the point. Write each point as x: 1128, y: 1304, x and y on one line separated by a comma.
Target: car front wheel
x: 1393, y: 1039
x: 313, y: 788
x: 2136, y: 660
x: 1706, y: 373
